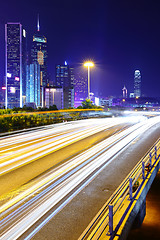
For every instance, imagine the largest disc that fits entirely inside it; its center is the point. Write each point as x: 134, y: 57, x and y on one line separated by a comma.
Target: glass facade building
x: 54, y: 96
x: 33, y: 91
x: 64, y: 76
x: 39, y: 55
x: 68, y: 97
x: 80, y: 87
x: 137, y: 84
x: 65, y: 79
x: 15, y: 54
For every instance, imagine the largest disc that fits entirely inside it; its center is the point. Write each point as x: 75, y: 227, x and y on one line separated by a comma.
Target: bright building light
x: 3, y: 88
x: 24, y: 33
x: 9, y: 75
x: 52, y: 90
x: 12, y: 89
x: 17, y: 78
x: 96, y: 101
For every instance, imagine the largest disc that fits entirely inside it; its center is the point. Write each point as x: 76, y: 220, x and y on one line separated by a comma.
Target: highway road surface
x: 43, y: 170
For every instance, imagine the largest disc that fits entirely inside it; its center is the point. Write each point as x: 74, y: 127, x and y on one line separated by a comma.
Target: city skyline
x: 120, y: 38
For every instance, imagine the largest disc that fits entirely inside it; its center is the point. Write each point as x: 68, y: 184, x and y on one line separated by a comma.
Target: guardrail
x: 129, y: 189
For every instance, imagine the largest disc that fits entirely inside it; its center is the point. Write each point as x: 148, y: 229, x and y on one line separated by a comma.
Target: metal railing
x: 104, y: 220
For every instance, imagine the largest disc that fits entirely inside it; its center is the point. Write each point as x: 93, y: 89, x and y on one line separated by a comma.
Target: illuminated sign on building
x: 39, y: 39
x: 17, y: 78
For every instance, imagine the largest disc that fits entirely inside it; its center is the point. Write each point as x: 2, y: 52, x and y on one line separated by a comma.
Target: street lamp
x: 88, y: 65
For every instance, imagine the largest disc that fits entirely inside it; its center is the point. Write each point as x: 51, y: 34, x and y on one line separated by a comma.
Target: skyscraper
x: 137, y: 84
x: 39, y: 55
x: 124, y: 92
x: 15, y: 53
x: 33, y: 84
x: 64, y: 75
x: 65, y: 79
x: 80, y: 87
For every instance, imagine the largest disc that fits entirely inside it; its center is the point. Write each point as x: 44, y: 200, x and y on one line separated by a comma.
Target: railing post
x: 155, y: 153
x: 150, y: 159
x: 111, y: 219
x: 143, y: 170
x: 130, y: 188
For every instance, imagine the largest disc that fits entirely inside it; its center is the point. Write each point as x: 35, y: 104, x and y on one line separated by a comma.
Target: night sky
x: 120, y: 36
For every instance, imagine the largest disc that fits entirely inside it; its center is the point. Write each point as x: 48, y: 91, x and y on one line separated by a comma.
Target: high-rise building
x: 2, y: 97
x: 33, y: 91
x: 64, y: 75
x: 15, y: 54
x: 68, y: 97
x: 53, y: 96
x: 65, y: 79
x: 39, y: 55
x: 137, y: 84
x: 124, y: 92
x: 80, y: 88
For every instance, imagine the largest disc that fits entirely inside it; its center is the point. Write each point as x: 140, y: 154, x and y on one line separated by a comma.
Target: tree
x: 28, y: 109
x: 54, y: 107
x: 88, y: 104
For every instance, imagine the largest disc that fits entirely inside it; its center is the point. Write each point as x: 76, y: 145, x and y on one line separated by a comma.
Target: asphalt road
x: 70, y: 175
x: 25, y: 156
x: 71, y: 221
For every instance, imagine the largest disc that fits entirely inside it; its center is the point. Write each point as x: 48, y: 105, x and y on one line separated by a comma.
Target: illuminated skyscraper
x: 64, y: 75
x: 65, y: 79
x: 124, y: 92
x: 39, y: 55
x: 15, y: 53
x: 137, y: 84
x: 80, y: 87
x: 33, y: 84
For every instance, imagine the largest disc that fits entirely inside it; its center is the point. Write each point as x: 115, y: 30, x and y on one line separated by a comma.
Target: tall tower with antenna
x: 124, y: 92
x: 38, y: 24
x: 39, y: 54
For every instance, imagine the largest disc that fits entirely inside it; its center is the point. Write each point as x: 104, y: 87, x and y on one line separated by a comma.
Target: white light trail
x: 45, y: 148
x: 71, y: 182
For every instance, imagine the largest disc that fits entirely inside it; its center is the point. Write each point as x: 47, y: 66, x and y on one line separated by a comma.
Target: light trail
x: 46, y: 131
x: 28, y: 136
x: 74, y: 162
x: 116, y: 143
x: 80, y: 158
x: 48, y: 146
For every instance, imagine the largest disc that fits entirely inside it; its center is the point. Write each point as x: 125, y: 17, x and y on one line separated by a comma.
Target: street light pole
x: 88, y: 82
x: 88, y: 65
